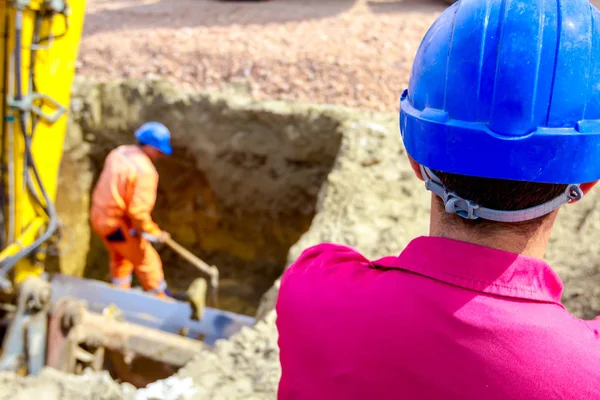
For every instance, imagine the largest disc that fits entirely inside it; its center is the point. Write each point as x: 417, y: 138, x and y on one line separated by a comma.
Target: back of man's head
x: 502, y: 113
x: 498, y: 194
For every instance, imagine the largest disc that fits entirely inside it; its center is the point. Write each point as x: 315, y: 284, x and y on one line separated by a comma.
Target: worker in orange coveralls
x: 122, y: 202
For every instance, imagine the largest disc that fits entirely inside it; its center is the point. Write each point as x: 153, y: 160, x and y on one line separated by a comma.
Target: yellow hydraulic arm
x: 39, y: 43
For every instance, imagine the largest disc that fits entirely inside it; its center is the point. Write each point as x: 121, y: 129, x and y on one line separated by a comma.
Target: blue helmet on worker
x: 508, y: 89
x: 156, y: 135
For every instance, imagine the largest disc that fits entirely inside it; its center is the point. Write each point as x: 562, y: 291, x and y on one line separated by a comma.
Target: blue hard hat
x: 156, y: 135
x: 508, y: 89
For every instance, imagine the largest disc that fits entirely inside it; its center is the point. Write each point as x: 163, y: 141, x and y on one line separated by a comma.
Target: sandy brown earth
x: 352, y: 52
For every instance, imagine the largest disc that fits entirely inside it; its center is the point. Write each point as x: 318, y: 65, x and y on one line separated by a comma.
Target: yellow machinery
x: 39, y: 46
x: 65, y: 322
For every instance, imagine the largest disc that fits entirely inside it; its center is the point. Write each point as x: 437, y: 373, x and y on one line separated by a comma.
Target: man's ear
x: 416, y: 167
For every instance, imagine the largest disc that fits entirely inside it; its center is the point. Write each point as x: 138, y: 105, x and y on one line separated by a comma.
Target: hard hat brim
x: 166, y: 150
x: 547, y: 155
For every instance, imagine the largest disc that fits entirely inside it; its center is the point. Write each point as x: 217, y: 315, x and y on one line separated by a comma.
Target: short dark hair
x: 500, y: 194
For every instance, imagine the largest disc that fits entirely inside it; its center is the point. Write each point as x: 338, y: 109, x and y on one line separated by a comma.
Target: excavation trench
x: 239, y: 191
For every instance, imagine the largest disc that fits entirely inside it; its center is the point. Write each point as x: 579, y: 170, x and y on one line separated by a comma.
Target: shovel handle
x: 211, y: 271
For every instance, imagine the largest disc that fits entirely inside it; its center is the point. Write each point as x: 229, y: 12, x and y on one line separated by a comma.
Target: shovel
x: 210, y: 270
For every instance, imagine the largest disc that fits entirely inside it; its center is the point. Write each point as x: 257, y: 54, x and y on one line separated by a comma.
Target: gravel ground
x: 352, y: 52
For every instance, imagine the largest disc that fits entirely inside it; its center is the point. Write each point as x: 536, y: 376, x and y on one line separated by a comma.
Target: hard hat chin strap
x: 455, y: 204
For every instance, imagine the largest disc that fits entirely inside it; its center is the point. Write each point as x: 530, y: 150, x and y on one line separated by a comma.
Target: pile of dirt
x: 53, y: 385
x: 244, y: 367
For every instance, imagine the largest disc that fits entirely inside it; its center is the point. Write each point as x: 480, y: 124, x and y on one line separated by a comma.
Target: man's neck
x: 532, y: 244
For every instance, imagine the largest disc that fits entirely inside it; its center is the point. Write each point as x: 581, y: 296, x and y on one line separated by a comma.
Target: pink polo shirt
x: 444, y: 320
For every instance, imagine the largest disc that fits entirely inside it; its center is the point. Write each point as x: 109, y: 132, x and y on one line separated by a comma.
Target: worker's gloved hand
x: 164, y: 236
x: 151, y: 238
x: 161, y: 238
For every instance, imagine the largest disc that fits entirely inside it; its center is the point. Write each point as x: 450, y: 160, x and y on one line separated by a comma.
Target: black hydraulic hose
x: 34, y: 119
x: 7, y: 264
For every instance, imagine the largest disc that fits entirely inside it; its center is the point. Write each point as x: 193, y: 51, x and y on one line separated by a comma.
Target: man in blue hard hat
x: 122, y: 204
x: 501, y: 121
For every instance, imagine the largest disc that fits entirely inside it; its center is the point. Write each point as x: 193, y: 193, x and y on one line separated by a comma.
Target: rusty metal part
x: 127, y: 338
x: 89, y: 335
x: 24, y: 345
x: 210, y: 270
x: 137, y: 307
x: 65, y: 354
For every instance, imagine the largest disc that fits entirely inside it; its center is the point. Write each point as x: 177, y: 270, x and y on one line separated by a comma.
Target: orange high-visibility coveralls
x: 122, y: 200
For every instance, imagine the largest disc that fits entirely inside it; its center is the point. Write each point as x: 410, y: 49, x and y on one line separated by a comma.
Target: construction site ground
x: 332, y: 170
x: 352, y: 52
x: 356, y: 53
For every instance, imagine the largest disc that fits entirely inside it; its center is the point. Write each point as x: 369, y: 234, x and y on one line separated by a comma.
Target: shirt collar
x: 478, y: 268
